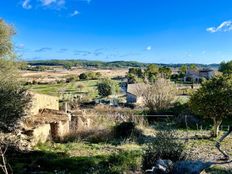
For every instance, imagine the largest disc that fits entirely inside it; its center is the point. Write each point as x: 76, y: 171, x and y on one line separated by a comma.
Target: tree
x: 107, y: 87
x: 159, y: 95
x: 226, y: 67
x: 6, y: 46
x: 214, y: 100
x: 193, y: 67
x: 152, y: 69
x: 14, y: 104
x: 165, y: 72
x: 183, y: 69
x: 136, y: 71
x: 14, y: 99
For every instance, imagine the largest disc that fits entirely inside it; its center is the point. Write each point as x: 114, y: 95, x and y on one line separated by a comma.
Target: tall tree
x: 226, y: 67
x: 165, y: 72
x: 13, y: 98
x: 214, y: 100
x: 183, y: 69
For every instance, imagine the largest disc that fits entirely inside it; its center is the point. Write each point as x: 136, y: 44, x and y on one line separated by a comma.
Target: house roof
x: 206, y: 70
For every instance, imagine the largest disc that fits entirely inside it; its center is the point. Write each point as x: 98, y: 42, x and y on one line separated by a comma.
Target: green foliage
x: 57, y: 162
x: 14, y: 103
x: 183, y: 69
x: 193, y: 67
x: 202, y: 80
x: 107, y: 87
x: 83, y: 76
x: 136, y: 71
x: 214, y: 99
x: 6, y: 46
x: 13, y: 98
x: 90, y: 75
x: 226, y: 67
x: 165, y: 72
x: 132, y: 78
x: 165, y: 146
x: 152, y: 69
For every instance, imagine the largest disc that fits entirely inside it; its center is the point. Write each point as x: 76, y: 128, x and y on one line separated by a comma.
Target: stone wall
x: 79, y: 123
x: 41, y: 134
x: 40, y: 101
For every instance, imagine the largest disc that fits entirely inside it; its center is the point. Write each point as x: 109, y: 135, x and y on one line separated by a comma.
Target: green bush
x: 83, y: 76
x: 165, y: 146
x: 107, y: 87
x: 90, y: 75
x: 124, y: 130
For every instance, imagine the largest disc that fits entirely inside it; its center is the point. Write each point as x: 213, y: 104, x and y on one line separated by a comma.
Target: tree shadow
x: 50, y: 162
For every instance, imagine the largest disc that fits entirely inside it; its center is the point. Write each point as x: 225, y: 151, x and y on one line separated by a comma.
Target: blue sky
x: 157, y: 31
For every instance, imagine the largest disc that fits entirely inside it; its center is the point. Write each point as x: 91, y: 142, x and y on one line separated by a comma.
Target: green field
x: 72, y: 88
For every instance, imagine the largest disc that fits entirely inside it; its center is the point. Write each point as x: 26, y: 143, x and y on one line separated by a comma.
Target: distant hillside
x: 101, y: 64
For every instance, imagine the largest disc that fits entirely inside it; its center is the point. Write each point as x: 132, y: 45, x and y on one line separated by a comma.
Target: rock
x: 190, y: 167
x: 161, y: 167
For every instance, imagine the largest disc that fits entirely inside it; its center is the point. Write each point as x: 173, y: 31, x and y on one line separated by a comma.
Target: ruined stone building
x: 46, y: 122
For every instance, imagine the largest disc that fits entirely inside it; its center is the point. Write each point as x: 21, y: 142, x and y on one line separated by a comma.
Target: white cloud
x: 26, y: 4
x: 149, y: 48
x: 75, y: 13
x: 52, y: 2
x: 47, y: 2
x: 225, y: 26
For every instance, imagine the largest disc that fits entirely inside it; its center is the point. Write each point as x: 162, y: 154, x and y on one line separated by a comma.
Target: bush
x: 90, y: 75
x: 83, y: 76
x: 124, y: 130
x: 14, y: 103
x: 166, y: 147
x: 71, y: 78
x: 107, y: 87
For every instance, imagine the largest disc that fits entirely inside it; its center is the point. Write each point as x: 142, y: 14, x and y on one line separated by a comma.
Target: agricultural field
x: 72, y: 88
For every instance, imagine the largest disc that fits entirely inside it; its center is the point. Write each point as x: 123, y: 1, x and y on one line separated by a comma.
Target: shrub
x: 166, y: 146
x: 107, y: 87
x: 90, y: 75
x: 124, y: 130
x: 71, y: 78
x: 14, y: 104
x: 83, y: 76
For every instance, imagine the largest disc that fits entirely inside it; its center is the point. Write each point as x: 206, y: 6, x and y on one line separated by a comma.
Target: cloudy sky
x: 158, y: 31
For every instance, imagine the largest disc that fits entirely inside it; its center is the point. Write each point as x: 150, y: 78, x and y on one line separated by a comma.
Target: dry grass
x: 63, y: 73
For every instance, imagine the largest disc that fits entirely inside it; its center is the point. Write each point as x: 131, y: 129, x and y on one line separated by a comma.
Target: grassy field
x: 56, y: 89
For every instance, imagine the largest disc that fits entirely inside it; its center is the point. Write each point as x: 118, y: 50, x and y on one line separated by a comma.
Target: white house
x: 134, y: 94
x: 196, y: 75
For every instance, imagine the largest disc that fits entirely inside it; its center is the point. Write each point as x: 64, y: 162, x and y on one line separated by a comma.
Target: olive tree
x: 214, y: 100
x: 14, y: 99
x: 107, y: 87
